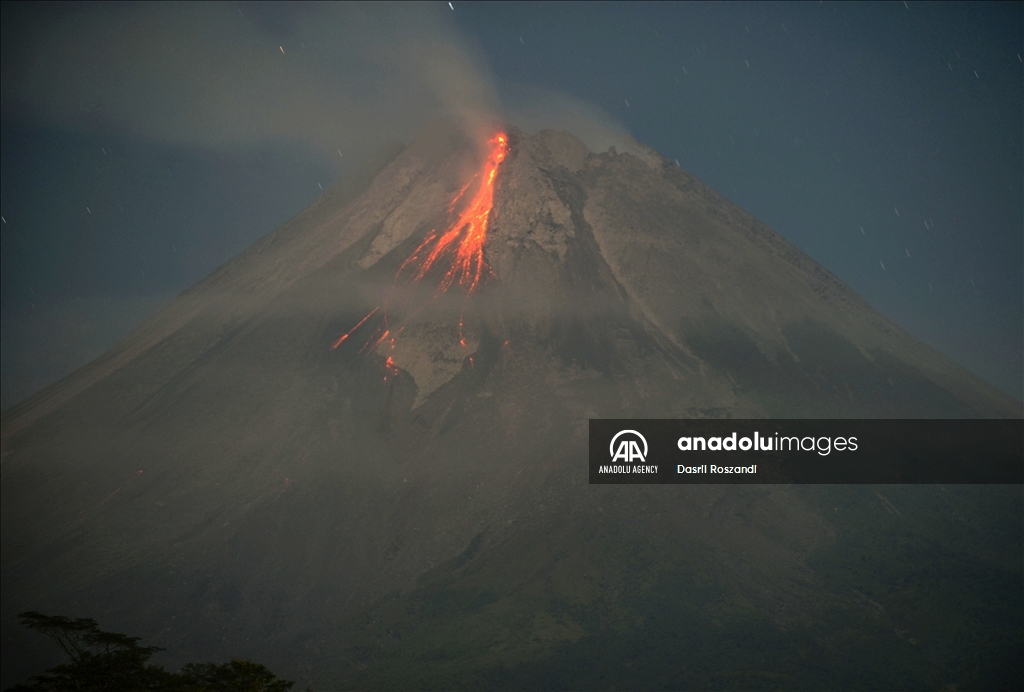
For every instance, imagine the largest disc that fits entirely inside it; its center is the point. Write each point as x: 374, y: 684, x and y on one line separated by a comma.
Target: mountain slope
x: 238, y: 479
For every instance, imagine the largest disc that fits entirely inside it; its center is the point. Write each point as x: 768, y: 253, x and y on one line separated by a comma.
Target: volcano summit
x: 358, y: 451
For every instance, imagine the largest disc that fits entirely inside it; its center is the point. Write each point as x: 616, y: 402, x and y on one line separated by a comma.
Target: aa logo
x: 628, y: 448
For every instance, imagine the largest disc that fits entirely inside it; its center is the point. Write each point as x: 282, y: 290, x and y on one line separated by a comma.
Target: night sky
x: 145, y: 144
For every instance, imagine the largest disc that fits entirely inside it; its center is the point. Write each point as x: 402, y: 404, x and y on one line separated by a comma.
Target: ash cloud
x: 336, y: 77
x: 533, y: 108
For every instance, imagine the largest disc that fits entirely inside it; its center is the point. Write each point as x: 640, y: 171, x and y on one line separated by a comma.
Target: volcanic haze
x: 414, y: 510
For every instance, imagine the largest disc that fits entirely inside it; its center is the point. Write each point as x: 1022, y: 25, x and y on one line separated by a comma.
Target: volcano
x: 357, y: 452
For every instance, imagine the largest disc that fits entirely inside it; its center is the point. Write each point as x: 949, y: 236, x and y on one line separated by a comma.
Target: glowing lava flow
x: 462, y: 245
x: 465, y: 238
x: 344, y: 336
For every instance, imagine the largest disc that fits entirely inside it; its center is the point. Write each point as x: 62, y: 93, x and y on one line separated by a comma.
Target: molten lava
x: 344, y: 336
x: 463, y: 242
x: 459, y: 251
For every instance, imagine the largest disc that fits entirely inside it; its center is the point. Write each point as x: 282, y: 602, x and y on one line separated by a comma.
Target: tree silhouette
x: 237, y: 676
x: 114, y: 662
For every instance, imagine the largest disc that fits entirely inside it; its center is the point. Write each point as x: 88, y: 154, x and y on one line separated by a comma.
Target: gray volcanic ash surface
x: 413, y: 509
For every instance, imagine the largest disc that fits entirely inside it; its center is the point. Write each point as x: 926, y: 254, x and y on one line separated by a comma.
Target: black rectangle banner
x: 806, y: 451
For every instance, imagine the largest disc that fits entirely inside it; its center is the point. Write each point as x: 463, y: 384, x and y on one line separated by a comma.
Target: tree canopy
x: 113, y: 662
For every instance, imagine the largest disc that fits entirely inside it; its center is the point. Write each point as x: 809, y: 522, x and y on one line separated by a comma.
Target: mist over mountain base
x: 901, y: 590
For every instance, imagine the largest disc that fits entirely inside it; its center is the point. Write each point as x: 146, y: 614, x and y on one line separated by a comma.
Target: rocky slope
x: 224, y: 483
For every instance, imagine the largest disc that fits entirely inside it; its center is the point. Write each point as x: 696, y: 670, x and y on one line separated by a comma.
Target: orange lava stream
x: 465, y: 238
x: 347, y: 334
x: 462, y: 244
